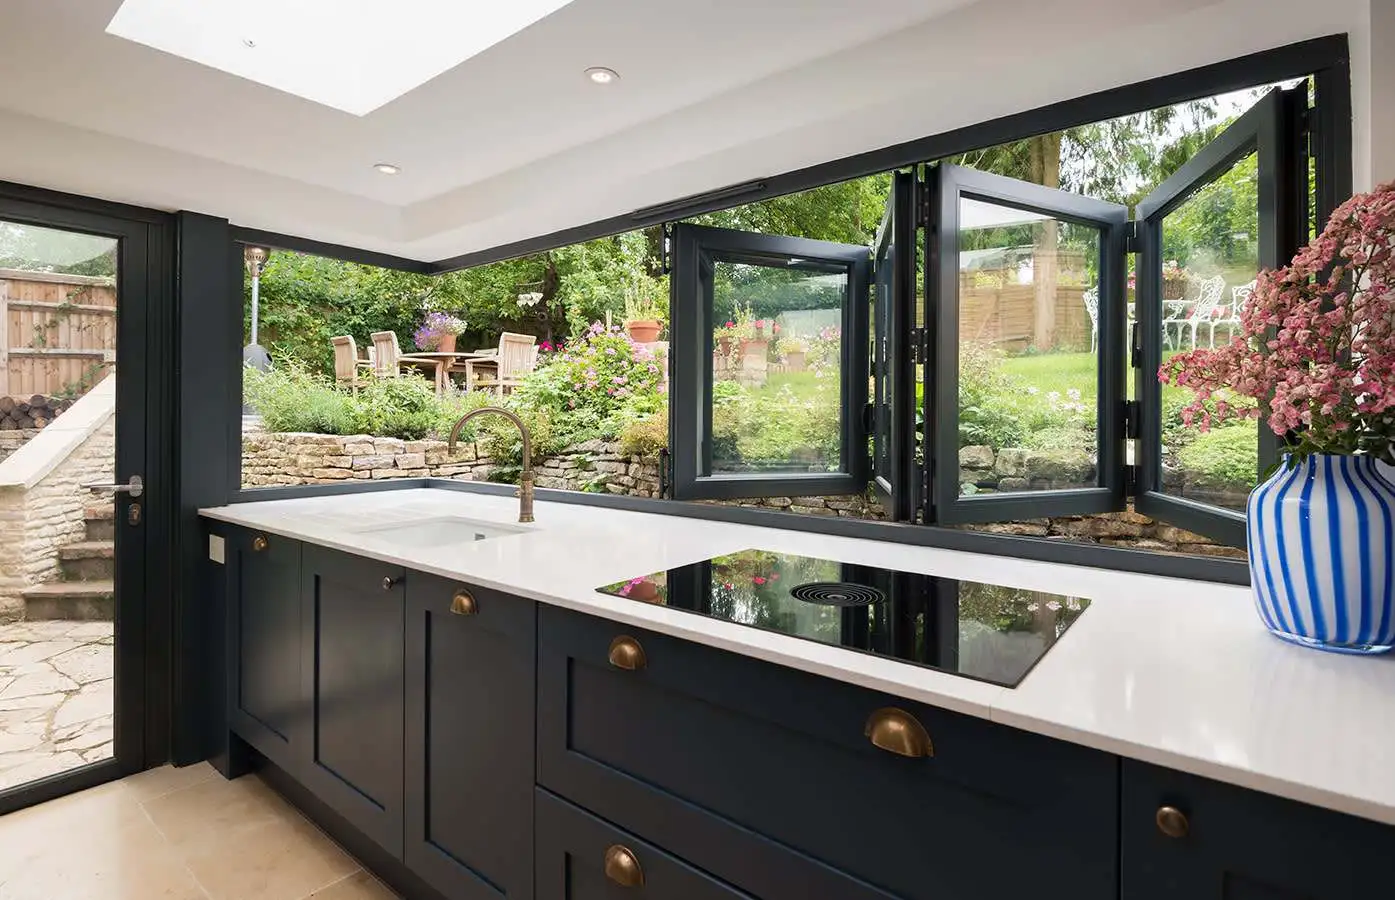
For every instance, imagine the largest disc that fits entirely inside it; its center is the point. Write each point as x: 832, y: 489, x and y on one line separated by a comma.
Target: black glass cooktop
x: 975, y: 629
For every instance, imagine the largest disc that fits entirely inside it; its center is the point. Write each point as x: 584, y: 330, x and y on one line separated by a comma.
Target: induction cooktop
x: 979, y: 630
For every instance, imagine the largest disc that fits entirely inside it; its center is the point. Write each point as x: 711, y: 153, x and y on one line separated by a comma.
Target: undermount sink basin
x: 440, y: 531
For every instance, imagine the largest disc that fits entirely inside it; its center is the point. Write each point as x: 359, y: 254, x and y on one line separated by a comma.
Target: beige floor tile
x: 282, y: 860
x: 358, y: 886
x: 215, y: 810
x: 97, y: 845
x: 152, y: 783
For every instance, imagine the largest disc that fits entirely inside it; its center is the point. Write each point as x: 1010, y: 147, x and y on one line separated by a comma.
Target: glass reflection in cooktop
x: 983, y: 631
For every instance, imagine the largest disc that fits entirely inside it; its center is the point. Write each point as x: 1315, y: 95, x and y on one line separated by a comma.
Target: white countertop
x: 1169, y: 671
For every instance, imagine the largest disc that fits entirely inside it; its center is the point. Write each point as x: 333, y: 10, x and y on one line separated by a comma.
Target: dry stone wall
x: 601, y: 467
x: 12, y: 440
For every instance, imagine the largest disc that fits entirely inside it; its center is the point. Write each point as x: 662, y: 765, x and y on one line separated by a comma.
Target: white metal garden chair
x: 1239, y: 297
x: 1207, y: 309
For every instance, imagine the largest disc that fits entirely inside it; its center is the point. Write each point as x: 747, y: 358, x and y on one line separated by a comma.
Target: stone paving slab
x: 56, y: 697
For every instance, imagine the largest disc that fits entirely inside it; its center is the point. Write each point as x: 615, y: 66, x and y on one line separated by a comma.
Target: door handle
x: 135, y: 487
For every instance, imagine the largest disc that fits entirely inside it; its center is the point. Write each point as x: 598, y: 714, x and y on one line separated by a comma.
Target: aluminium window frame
x: 1326, y: 59
x: 691, y: 373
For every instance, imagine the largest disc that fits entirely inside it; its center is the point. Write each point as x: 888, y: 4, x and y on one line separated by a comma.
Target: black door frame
x: 145, y: 430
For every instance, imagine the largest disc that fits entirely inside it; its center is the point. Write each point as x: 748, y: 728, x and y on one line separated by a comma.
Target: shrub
x: 646, y: 436
x: 1223, y: 457
x: 404, y: 407
x: 988, y: 414
x: 291, y: 398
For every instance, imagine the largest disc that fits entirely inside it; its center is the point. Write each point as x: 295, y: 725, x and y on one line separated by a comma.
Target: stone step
x: 71, y: 600
x: 88, y: 561
x: 101, y: 521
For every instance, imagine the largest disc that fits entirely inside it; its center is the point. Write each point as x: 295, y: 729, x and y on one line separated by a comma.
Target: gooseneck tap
x: 525, y: 478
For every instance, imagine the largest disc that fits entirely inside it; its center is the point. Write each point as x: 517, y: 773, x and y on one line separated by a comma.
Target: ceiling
x: 515, y: 142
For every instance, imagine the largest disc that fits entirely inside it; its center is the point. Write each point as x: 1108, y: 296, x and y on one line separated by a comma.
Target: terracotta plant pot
x: 644, y: 331
x: 794, y: 361
x: 447, y: 344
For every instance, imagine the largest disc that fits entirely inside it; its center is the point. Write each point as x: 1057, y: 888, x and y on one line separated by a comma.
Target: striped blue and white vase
x: 1321, y: 542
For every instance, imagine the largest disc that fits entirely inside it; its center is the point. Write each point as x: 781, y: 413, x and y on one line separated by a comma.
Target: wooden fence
x: 1006, y: 317
x: 57, y: 332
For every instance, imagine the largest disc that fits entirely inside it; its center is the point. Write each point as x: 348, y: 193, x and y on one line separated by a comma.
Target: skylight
x: 353, y: 55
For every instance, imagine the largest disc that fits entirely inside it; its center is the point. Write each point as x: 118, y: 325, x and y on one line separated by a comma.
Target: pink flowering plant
x: 1317, y: 343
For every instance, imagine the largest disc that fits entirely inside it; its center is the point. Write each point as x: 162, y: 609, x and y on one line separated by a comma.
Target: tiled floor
x: 55, y: 697
x: 175, y: 834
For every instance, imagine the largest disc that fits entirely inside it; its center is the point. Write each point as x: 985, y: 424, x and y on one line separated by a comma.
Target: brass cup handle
x: 897, y: 731
x: 260, y: 543
x: 389, y: 582
x: 463, y: 603
x: 1172, y: 822
x: 622, y: 866
x: 626, y: 653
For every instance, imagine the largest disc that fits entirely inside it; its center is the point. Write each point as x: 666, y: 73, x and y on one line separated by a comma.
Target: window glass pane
x: 776, y: 377
x: 1028, y: 350
x: 1211, y: 257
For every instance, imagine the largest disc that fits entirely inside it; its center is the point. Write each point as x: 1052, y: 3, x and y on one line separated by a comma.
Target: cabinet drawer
x: 1236, y: 844
x: 696, y: 738
x: 265, y: 703
x: 574, y: 850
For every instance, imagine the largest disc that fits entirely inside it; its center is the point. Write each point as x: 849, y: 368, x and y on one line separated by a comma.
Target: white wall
x: 1382, y: 100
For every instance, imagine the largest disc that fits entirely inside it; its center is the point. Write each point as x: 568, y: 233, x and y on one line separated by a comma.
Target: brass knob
x: 626, y: 653
x: 1173, y: 822
x: 622, y: 867
x: 463, y: 603
x: 389, y: 582
x: 260, y: 543
x: 899, y: 732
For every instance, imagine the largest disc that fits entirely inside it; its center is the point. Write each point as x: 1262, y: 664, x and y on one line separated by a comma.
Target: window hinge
x: 922, y: 203
x: 1135, y: 346
x: 1130, y: 481
x: 869, y: 418
x: 918, y: 346
x: 1131, y: 237
x: 666, y: 261
x: 1131, y: 411
x: 665, y: 474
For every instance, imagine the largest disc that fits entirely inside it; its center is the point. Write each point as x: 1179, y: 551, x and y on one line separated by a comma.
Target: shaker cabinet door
x: 352, y: 630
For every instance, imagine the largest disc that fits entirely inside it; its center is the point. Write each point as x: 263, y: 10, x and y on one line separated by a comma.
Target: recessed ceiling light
x: 602, y: 75
x: 386, y: 168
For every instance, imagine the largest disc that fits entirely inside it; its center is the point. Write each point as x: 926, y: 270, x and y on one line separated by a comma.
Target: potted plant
x: 1174, y: 280
x: 1317, y: 353
x: 642, y: 319
x: 437, y: 332
x: 793, y: 350
x: 724, y: 338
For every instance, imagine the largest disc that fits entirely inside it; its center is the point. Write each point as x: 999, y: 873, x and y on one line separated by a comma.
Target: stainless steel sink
x: 439, y: 531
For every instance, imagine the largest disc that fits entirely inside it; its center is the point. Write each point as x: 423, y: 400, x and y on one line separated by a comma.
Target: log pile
x: 17, y: 413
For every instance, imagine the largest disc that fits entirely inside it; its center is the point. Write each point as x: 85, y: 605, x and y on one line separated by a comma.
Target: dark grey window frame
x: 1270, y: 130
x: 895, y: 475
x: 696, y: 249
x: 1326, y: 59
x: 950, y: 184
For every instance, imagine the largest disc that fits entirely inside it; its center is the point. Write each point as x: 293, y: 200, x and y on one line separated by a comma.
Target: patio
x: 56, y: 697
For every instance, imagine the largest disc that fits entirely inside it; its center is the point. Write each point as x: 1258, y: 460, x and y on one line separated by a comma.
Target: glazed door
x: 81, y: 446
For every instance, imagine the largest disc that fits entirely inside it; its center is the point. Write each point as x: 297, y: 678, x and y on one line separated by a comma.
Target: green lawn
x: 1062, y: 371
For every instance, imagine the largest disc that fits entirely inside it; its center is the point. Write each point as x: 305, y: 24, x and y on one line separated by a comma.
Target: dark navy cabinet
x: 741, y: 767
x: 582, y: 857
x: 352, y: 621
x: 1190, y: 838
x: 469, y: 780
x: 498, y: 748
x: 265, y: 705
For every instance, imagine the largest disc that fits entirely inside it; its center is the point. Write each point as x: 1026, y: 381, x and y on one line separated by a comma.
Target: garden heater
x: 254, y: 354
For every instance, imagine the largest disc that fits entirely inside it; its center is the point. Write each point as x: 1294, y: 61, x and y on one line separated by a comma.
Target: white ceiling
x: 516, y: 142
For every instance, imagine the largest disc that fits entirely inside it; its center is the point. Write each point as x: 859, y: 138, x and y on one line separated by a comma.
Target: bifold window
x: 1073, y: 300
x: 736, y: 297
